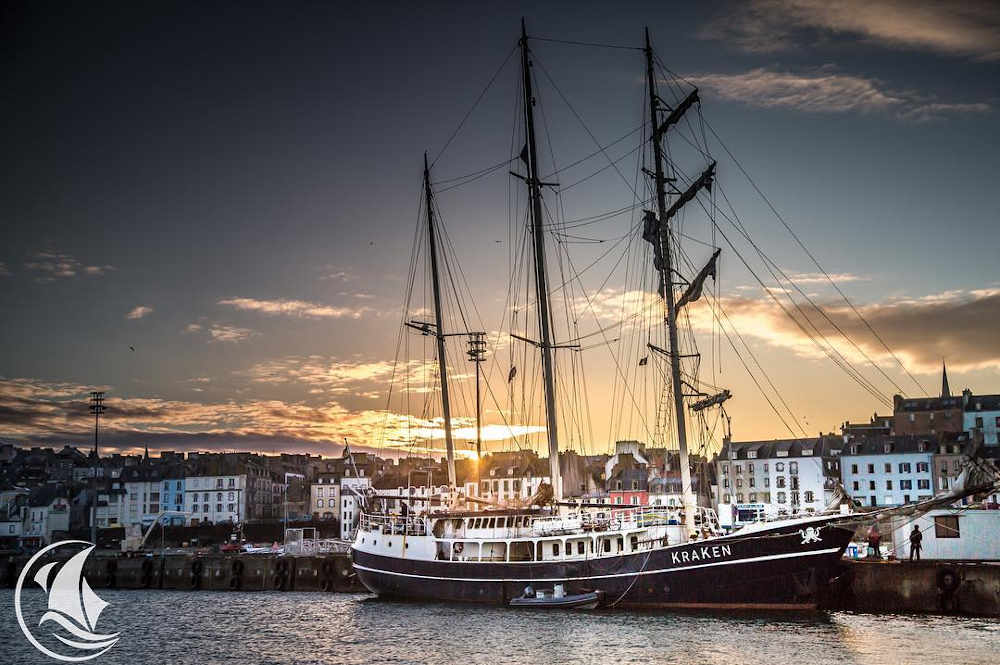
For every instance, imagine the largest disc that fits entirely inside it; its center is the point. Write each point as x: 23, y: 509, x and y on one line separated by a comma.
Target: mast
x: 439, y: 331
x: 668, y: 290
x: 541, y: 281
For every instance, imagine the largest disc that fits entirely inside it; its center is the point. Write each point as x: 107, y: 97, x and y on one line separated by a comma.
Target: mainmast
x: 666, y: 269
x: 541, y: 281
x: 439, y: 328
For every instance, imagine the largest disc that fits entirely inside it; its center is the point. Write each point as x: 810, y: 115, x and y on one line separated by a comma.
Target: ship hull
x: 780, y: 568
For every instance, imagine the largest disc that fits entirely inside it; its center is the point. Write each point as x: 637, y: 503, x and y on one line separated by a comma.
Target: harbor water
x: 182, y: 628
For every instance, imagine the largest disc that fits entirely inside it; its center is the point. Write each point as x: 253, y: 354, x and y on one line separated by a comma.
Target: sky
x: 209, y: 210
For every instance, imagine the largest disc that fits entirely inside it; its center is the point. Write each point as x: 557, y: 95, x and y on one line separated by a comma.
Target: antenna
x: 96, y: 408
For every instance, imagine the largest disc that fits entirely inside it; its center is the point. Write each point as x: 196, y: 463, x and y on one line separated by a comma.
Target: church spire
x: 945, y: 391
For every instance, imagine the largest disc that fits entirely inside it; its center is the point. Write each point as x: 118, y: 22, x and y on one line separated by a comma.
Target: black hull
x: 780, y: 568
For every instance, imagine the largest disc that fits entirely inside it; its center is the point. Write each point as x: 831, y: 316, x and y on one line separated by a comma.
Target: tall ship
x: 469, y: 548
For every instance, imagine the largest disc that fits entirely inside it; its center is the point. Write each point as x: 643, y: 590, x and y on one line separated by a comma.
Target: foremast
x: 439, y: 327
x: 664, y: 265
x: 541, y: 279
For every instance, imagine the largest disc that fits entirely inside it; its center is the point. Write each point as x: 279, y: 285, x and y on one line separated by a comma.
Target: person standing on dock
x: 873, y: 542
x: 915, y: 538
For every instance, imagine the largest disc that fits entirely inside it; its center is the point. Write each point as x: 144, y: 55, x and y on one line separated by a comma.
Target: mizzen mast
x: 439, y: 327
x: 541, y: 280
x: 659, y: 234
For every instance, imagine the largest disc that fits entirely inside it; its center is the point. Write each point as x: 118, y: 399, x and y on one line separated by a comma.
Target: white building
x: 112, y: 503
x: 47, y: 512
x: 350, y: 504
x: 767, y: 479
x: 950, y: 534
x: 216, y: 499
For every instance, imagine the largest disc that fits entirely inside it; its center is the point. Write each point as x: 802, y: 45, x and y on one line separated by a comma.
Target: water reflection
x: 251, y: 628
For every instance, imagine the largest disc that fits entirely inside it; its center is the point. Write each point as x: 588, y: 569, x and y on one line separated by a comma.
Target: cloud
x: 338, y: 275
x: 959, y: 326
x: 820, y: 278
x: 139, y: 312
x: 295, y: 308
x: 192, y: 328
x: 221, y: 333
x: 825, y: 90
x: 970, y: 28
x: 50, y: 266
x: 40, y: 411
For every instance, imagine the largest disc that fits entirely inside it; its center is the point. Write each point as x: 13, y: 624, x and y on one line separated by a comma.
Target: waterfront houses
x: 766, y: 479
x: 889, y: 470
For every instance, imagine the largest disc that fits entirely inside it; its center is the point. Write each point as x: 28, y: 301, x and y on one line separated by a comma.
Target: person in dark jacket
x: 915, y: 538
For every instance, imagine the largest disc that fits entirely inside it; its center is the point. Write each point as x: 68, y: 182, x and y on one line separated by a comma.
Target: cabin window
x: 491, y: 523
x: 946, y: 526
x: 501, y: 522
x: 607, y: 544
x: 555, y: 549
x: 580, y: 548
x: 634, y: 543
x: 520, y: 550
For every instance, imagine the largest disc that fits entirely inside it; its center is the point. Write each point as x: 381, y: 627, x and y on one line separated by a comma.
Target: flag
x: 511, y: 374
x: 693, y: 291
x: 524, y: 154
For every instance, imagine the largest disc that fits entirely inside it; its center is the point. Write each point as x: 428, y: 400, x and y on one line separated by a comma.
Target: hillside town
x: 904, y: 457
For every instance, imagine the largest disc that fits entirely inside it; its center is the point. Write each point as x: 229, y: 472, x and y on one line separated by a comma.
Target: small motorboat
x: 557, y: 598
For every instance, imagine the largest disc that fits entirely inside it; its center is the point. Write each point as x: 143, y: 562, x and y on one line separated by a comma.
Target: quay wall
x: 934, y: 587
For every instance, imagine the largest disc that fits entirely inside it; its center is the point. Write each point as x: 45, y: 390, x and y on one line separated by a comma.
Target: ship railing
x: 410, y: 525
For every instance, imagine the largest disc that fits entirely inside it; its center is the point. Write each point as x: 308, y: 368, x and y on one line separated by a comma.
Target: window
x: 905, y: 484
x: 725, y: 469
x: 319, y: 503
x: 205, y: 508
x: 854, y: 468
x: 555, y: 549
x: 767, y: 481
x: 753, y: 497
x: 751, y: 454
x: 738, y: 468
x: 780, y: 481
x: 232, y: 482
x: 739, y: 482
x: 635, y: 484
x: 946, y: 526
x: 781, y: 497
x: 232, y: 495
x: 232, y: 508
x: 904, y: 467
x: 635, y: 501
x: 206, y: 497
x: 580, y: 547
x: 871, y: 484
x: 871, y: 468
x: 765, y: 467
x: 618, y: 500
x: 750, y: 468
x: 810, y: 497
x: 888, y: 484
x: 218, y: 496
x: 725, y: 482
x: 923, y: 484
x: 218, y: 507
x: 888, y: 467
x: 218, y: 483
x: 793, y: 467
x: 751, y: 482
x: 979, y: 422
x: 779, y: 467
x: 923, y: 467
x: 194, y: 508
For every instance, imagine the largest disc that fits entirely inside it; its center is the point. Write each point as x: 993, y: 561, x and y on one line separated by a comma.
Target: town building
x: 889, y: 470
x: 982, y: 413
x: 954, y: 535
x: 766, y: 479
x: 47, y: 515
x: 324, y: 497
